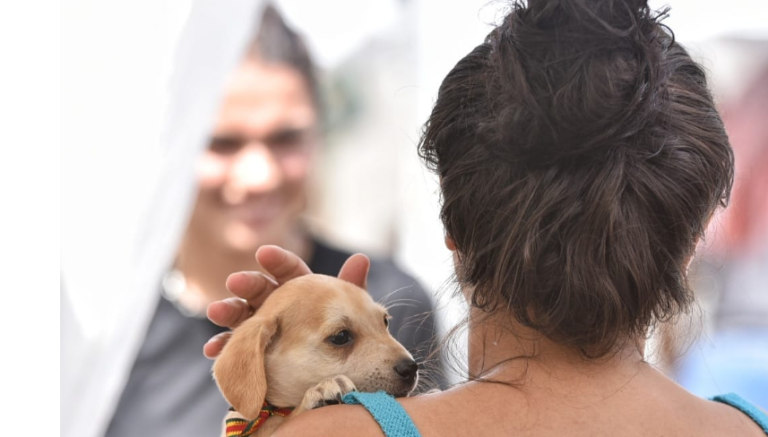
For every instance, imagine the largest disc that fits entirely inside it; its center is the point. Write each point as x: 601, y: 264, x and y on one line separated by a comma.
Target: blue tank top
x: 395, y: 422
x: 754, y: 413
x: 390, y: 415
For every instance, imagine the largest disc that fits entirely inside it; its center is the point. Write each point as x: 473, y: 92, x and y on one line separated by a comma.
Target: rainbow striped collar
x: 242, y: 427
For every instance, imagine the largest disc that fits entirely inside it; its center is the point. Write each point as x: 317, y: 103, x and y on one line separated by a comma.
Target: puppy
x: 313, y: 340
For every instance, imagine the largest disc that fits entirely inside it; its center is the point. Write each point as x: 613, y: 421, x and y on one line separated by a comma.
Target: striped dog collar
x: 243, y: 428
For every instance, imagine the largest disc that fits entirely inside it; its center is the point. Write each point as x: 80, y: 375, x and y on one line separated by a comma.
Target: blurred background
x: 141, y: 86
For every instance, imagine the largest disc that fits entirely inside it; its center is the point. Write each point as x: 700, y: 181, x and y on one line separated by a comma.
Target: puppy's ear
x: 239, y: 369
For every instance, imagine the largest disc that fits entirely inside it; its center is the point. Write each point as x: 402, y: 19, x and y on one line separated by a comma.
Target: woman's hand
x: 253, y: 287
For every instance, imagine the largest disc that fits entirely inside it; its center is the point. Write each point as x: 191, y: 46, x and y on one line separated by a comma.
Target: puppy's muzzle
x: 407, y: 372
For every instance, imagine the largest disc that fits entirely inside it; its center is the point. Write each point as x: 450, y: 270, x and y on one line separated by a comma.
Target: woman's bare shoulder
x: 336, y: 420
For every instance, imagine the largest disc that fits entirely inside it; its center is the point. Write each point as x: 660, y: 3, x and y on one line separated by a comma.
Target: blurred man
x: 252, y: 192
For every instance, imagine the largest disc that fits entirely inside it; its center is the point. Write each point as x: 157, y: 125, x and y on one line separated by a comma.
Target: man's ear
x: 239, y: 370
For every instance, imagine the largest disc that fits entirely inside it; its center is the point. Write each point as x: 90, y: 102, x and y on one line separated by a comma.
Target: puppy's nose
x: 407, y: 369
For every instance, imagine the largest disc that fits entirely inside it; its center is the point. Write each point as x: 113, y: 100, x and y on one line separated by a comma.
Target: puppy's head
x: 312, y: 328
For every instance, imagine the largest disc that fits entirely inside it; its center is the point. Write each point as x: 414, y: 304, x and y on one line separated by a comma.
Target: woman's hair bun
x: 577, y: 78
x: 618, y: 15
x: 581, y: 157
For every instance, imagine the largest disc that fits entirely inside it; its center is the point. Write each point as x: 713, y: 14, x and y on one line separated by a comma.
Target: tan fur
x: 283, y: 353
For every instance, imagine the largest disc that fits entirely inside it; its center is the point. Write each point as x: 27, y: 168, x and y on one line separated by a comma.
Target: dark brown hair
x: 580, y: 157
x: 276, y: 43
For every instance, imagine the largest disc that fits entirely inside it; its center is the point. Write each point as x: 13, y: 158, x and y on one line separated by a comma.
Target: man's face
x: 253, y: 175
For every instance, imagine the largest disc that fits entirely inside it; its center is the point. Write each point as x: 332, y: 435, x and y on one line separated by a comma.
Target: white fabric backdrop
x: 132, y: 130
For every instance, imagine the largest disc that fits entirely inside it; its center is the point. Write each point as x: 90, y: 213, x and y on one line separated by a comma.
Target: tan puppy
x: 313, y: 340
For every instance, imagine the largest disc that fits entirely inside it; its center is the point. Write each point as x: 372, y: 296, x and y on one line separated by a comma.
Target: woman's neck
x: 501, y: 349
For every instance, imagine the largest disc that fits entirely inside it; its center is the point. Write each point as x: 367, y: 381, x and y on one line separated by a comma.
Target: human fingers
x: 213, y: 348
x: 282, y: 264
x: 229, y: 312
x: 355, y: 270
x: 254, y: 287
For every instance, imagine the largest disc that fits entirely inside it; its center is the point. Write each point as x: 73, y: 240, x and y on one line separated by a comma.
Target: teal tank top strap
x: 736, y: 401
x: 390, y: 415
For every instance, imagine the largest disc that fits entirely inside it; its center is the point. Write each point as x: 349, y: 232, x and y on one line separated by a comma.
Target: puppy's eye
x: 340, y: 338
x: 386, y: 321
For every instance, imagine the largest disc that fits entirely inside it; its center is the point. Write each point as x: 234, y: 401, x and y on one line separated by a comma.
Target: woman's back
x: 647, y: 405
x: 594, y: 403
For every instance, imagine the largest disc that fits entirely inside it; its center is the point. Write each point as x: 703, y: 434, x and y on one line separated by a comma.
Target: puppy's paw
x: 328, y: 392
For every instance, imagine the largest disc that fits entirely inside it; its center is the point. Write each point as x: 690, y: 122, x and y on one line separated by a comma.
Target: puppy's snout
x: 407, y: 369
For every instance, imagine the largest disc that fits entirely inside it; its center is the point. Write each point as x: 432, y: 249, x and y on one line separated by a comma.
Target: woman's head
x: 253, y: 176
x: 580, y: 157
